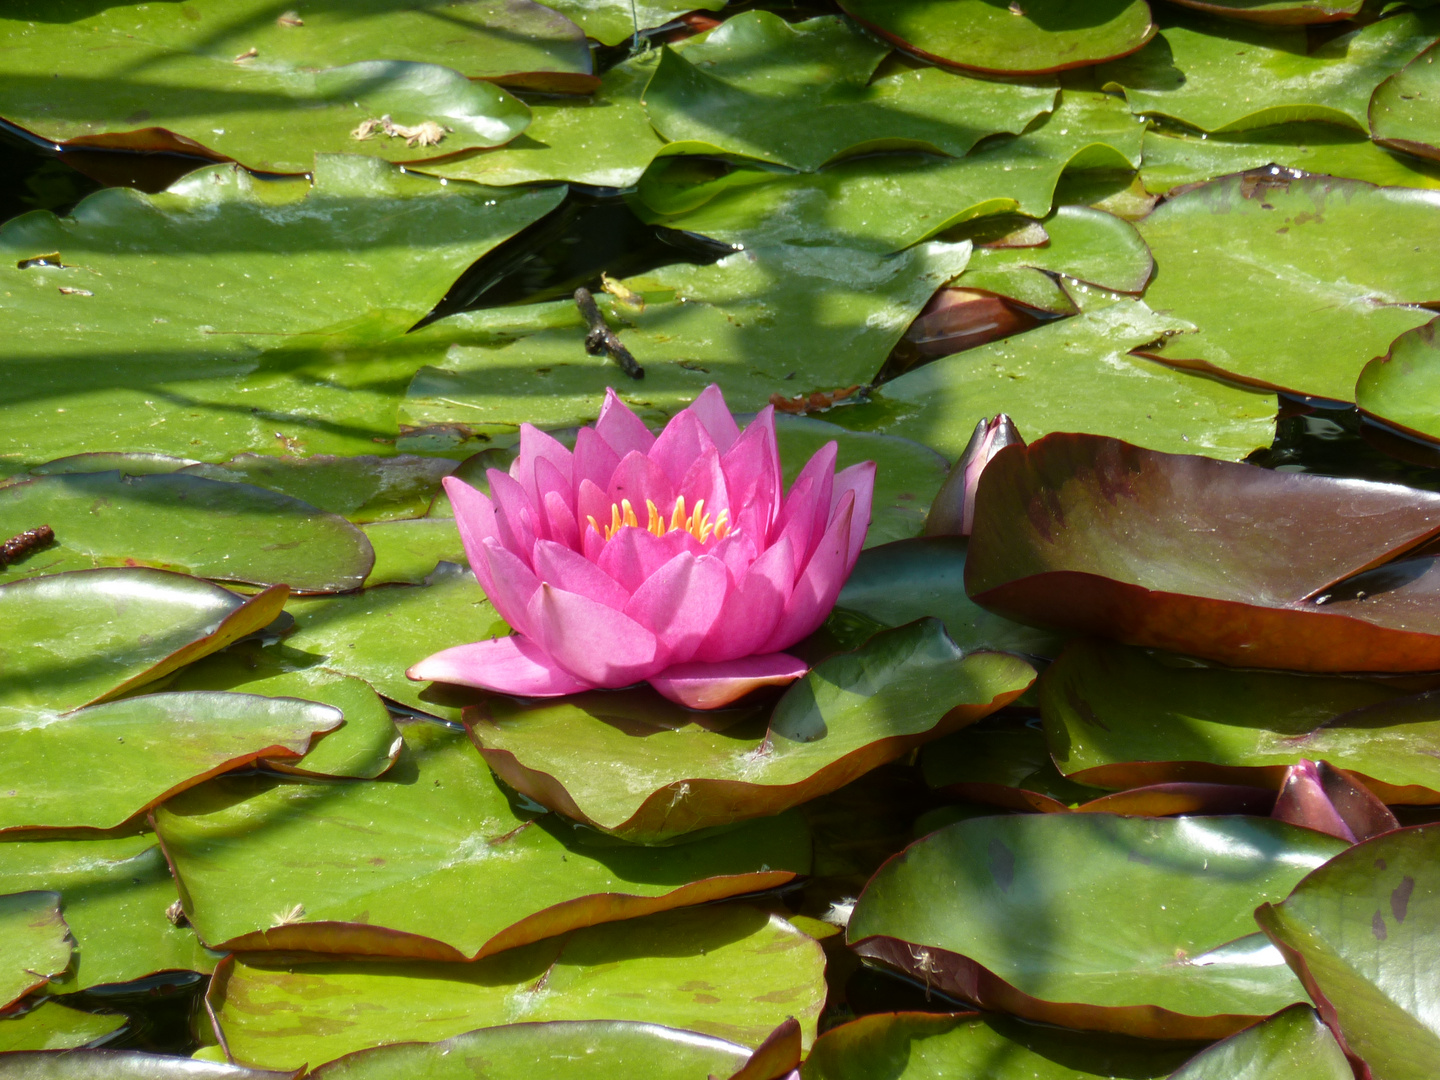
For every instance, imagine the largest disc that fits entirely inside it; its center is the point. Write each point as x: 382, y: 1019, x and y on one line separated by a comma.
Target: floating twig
x: 816, y: 402
x: 17, y: 547
x: 601, y: 339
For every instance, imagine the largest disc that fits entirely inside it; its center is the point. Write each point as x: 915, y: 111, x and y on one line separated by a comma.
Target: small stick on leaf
x: 17, y: 547
x: 601, y: 339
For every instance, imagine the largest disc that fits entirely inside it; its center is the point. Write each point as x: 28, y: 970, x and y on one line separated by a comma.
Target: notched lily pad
x: 53, y: 1026
x: 1399, y: 389
x: 677, y: 771
x: 1198, y: 556
x: 137, y: 752
x: 362, y: 489
x: 1135, y: 925
x: 35, y: 943
x: 372, y: 867
x: 1402, y: 109
x: 84, y: 637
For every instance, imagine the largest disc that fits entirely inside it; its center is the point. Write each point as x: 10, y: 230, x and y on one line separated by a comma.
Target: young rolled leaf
x: 398, y: 849
x: 729, y: 971
x: 137, y: 752
x: 1323, y: 798
x: 1360, y: 933
x: 79, y: 638
x: 1132, y: 925
x: 680, y: 771
x: 34, y: 943
x: 1198, y: 556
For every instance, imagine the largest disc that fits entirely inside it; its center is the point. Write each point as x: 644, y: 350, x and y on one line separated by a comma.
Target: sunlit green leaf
x: 52, y: 1026
x: 1399, y: 387
x: 1291, y: 1045
x: 612, y: 21
x: 34, y: 943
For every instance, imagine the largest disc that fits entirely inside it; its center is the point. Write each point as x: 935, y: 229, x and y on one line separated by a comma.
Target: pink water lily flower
x: 678, y: 560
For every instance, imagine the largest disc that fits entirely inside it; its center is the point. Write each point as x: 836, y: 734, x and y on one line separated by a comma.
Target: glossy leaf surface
x: 610, y: 22
x: 1077, y: 532
x: 34, y: 943
x: 1125, y: 924
x: 52, y: 1026
x: 139, y: 751
x: 124, y: 1065
x: 731, y: 972
x: 78, y: 638
x: 114, y: 894
x: 1360, y: 931
x: 1399, y: 388
x: 1402, y: 110
x: 130, y: 359
x: 407, y: 552
x: 680, y: 770
x: 1278, y: 12
x: 361, y: 489
x: 1043, y: 35
x: 1292, y: 1045
x: 209, y: 528
x: 377, y: 873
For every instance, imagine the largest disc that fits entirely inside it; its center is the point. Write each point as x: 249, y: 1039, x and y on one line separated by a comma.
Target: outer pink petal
x: 816, y: 590
x: 621, y: 429
x: 507, y: 665
x: 595, y: 643
x: 861, y: 480
x: 709, y: 686
x: 752, y: 609
x: 537, y: 446
x: 680, y: 602
x: 820, y: 471
x: 548, y: 478
x: 752, y: 476
x: 571, y: 571
x: 682, y: 442
x: 714, y: 415
x: 515, y: 515
x: 637, y: 478
x: 594, y: 460
x: 561, y: 521
x: 797, y: 522
x: 512, y: 585
x: 475, y: 520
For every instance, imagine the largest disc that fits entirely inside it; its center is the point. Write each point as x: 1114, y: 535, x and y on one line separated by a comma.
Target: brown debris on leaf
x: 249, y: 54
x: 428, y: 133
x: 819, y: 401
x: 290, y: 18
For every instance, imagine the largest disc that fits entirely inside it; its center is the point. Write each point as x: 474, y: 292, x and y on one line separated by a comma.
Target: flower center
x: 697, y: 523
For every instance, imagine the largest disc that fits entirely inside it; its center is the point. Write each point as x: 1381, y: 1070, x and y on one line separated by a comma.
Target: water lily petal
x: 638, y: 479
x: 621, y: 429
x: 752, y: 609
x: 563, y: 527
x: 709, y: 686
x: 817, y: 588
x: 512, y: 585
x: 752, y: 476
x: 820, y: 471
x: 594, y: 461
x: 595, y: 643
x: 705, y: 480
x: 634, y: 554
x: 537, y: 446
x: 571, y: 571
x: 507, y: 665
x: 475, y: 520
x: 714, y: 415
x: 797, y: 522
x: 515, y: 514
x: 680, y: 602
x: 678, y: 447
x: 592, y: 502
x: 861, y: 480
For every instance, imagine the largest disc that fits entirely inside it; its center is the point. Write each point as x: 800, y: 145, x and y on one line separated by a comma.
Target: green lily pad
x: 1399, y: 388
x: 1135, y: 925
x: 138, y: 751
x: 1004, y: 765
x: 407, y: 552
x: 612, y: 21
x: 115, y: 892
x: 362, y: 489
x: 1194, y: 71
x: 918, y: 1046
x: 1279, y: 12
x: 603, y: 139
x: 87, y: 1064
x: 900, y: 582
x: 1198, y: 556
x: 79, y: 638
x: 1337, y: 261
x: 729, y: 971
x: 1116, y: 717
x: 890, y: 202
x: 800, y: 95
x: 131, y: 463
x: 397, y: 850
x: 377, y: 634
x: 1073, y: 375
x: 1084, y: 244
x: 52, y: 1026
x: 1174, y: 158
x: 1358, y: 931
x: 573, y: 1048
x: 678, y: 771
x: 34, y: 943
x: 777, y: 320
x: 364, y: 747
x: 282, y: 273
x: 1036, y: 37
x: 1402, y: 110
x: 1293, y: 1043
x: 208, y: 528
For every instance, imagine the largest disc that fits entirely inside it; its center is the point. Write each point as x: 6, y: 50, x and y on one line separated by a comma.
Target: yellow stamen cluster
x: 697, y: 523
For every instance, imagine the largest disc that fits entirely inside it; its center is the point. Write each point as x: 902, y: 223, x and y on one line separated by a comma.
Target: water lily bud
x: 953, y: 511
x: 678, y: 559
